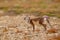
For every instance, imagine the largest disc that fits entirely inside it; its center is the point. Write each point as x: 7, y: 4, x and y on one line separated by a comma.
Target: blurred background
x: 40, y: 7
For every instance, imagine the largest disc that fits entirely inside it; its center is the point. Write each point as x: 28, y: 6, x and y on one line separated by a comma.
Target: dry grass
x: 48, y: 7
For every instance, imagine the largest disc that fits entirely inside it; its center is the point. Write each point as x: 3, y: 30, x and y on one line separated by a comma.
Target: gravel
x: 16, y: 28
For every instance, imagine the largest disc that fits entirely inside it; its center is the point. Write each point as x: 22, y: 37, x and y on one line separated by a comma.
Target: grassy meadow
x: 40, y: 7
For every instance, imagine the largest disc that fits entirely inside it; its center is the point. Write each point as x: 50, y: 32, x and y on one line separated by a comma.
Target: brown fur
x: 40, y: 22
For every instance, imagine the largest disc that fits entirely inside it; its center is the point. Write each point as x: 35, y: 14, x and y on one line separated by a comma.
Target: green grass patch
x: 4, y: 8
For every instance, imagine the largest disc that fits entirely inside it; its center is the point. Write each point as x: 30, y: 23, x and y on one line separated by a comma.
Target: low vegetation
x: 41, y: 7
